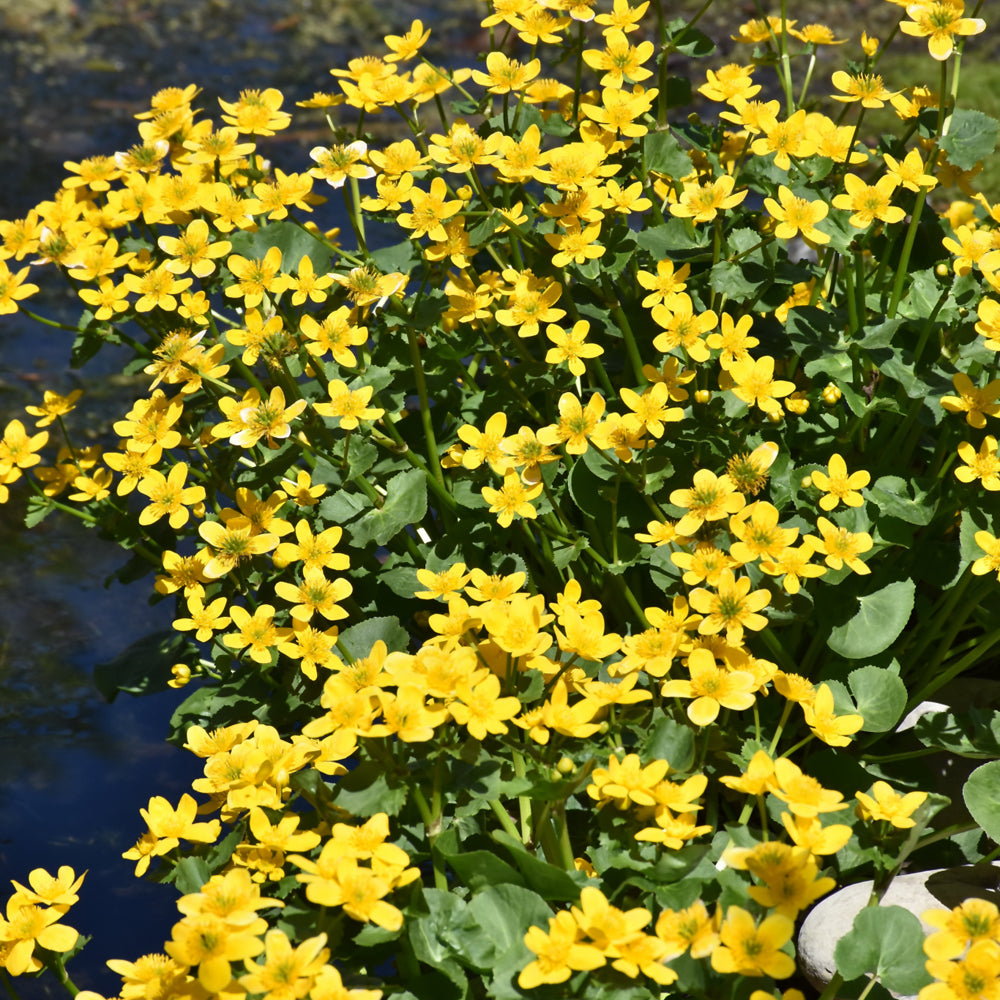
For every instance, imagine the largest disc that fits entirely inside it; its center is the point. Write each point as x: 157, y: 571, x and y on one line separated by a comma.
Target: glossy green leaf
x: 359, y: 639
x: 292, y: 240
x: 549, y: 881
x: 886, y: 941
x: 971, y: 138
x: 880, y: 696
x: 877, y: 623
x: 405, y: 504
x: 367, y: 790
x: 982, y: 797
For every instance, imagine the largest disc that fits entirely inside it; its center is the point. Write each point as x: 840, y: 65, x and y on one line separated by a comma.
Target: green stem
x: 425, y: 406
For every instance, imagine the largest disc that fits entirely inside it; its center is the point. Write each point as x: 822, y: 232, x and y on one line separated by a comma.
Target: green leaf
x: 502, y: 914
x: 971, y: 137
x: 880, y: 619
x: 38, y: 509
x: 405, y: 504
x: 399, y: 257
x: 341, y: 507
x: 741, y: 280
x: 292, y: 240
x: 478, y: 869
x: 688, y: 40
x: 432, y: 934
x: 359, y: 639
x: 892, y: 496
x: 670, y: 238
x: 921, y: 296
x: 881, y: 334
x: 190, y: 874
x: 670, y: 741
x: 982, y: 797
x: 975, y: 733
x: 880, y: 695
x: 366, y: 790
x: 547, y: 880
x: 887, y: 941
x: 361, y: 456
x: 665, y: 156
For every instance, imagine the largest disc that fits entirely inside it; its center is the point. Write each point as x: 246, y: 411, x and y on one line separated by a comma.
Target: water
x: 74, y: 770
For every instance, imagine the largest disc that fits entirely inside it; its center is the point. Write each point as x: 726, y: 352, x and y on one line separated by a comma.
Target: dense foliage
x: 557, y: 549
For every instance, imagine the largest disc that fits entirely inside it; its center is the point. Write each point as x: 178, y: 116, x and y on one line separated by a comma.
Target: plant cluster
x: 556, y: 550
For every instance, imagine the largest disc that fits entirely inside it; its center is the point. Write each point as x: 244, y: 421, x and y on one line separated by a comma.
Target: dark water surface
x: 74, y: 770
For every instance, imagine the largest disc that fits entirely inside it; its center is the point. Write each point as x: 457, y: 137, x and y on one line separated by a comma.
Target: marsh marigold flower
x: 939, y: 21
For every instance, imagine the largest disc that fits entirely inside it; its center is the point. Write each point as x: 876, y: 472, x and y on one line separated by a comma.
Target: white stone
x: 831, y: 918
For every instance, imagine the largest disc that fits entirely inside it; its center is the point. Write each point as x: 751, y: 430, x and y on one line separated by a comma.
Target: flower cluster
x: 557, y: 534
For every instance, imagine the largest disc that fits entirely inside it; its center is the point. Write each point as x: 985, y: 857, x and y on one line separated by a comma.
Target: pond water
x: 74, y: 770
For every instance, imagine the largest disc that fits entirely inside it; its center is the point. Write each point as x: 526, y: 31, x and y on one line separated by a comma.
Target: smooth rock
x: 939, y: 889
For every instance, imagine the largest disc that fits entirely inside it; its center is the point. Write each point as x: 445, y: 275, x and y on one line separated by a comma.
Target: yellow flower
x: 213, y: 944
x: 809, y: 832
x: 315, y: 593
x: 481, y: 709
x: 256, y: 631
x: 256, y: 112
x: 168, y: 496
x: 730, y: 83
x: 972, y: 977
x: 577, y: 244
x: 841, y: 546
x: 193, y: 251
x: 254, y: 277
x: 286, y: 972
x: 712, y: 688
x: 751, y: 950
x: 796, y: 215
x: 405, y: 47
x: 759, y: 536
x: 868, y: 202
x: 832, y: 729
x: 989, y: 323
x: 939, y: 21
x: 711, y: 498
x: 977, y: 404
x: 753, y: 381
x: 691, y: 928
x: 505, y: 75
x: 964, y: 925
x: 26, y: 926
x: 790, y: 876
x: 512, y: 499
x: 792, y: 565
x: 442, y: 585
x: 703, y: 202
x: 559, y: 951
x: 909, y: 171
x: 349, y: 406
x: 620, y: 60
x: 869, y: 89
x: 204, y: 619
x: 838, y: 486
x: 732, y: 607
x: 429, y: 211
x: 785, y: 139
x: 886, y: 804
x: 805, y: 796
x: 51, y: 890
x: 571, y: 346
x: 682, y: 327
x: 577, y: 423
x: 983, y: 464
